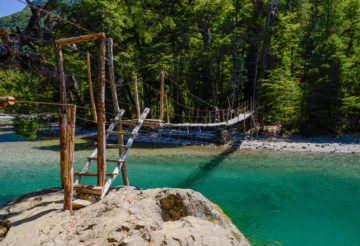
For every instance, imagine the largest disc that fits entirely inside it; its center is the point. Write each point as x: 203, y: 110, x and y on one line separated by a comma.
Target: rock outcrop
x: 126, y: 216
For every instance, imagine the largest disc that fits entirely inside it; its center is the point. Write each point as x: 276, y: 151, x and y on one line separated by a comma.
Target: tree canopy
x: 299, y: 59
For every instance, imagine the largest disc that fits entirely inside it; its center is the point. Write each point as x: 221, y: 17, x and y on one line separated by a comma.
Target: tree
x: 321, y: 109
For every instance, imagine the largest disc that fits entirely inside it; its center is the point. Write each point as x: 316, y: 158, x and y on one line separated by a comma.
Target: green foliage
x: 305, y: 64
x: 27, y: 86
x: 19, y: 19
x: 281, y: 98
x: 28, y: 126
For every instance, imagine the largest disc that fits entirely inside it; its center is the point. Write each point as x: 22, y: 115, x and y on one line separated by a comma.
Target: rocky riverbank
x: 126, y: 216
x: 167, y: 137
x: 344, y: 144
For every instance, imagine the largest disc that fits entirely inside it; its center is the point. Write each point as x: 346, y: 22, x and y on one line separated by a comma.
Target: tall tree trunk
x: 205, y: 33
x: 268, y: 29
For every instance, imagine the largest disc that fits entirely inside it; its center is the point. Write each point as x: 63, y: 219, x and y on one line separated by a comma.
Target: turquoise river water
x: 274, y: 198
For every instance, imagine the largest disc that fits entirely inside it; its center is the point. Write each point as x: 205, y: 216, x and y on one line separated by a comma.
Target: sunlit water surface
x: 275, y: 198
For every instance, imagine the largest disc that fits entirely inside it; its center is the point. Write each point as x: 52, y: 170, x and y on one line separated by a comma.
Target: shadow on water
x: 11, y: 137
x: 78, y: 146
x: 207, y: 168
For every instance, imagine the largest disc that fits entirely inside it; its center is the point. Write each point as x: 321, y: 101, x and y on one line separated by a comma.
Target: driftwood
x: 13, y: 54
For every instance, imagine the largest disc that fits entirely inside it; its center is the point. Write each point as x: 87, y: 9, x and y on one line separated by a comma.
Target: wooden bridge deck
x: 160, y: 124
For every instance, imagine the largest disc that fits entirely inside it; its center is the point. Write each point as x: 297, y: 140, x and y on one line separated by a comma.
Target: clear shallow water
x: 273, y: 197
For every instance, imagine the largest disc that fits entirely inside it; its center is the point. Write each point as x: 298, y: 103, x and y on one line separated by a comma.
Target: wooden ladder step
x: 89, y: 189
x: 146, y: 122
x: 92, y: 174
x: 107, y: 160
x: 117, y: 146
x: 121, y: 133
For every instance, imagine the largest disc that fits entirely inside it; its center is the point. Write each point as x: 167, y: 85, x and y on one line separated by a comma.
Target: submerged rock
x: 124, y: 217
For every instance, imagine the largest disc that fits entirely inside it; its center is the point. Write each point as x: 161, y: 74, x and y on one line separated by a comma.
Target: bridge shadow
x: 11, y: 137
x: 78, y: 146
x: 207, y: 168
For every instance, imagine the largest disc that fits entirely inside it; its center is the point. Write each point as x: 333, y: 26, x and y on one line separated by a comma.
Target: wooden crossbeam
x: 147, y: 122
x: 91, y: 174
x: 117, y: 146
x: 107, y: 160
x: 79, y: 39
x: 89, y: 189
x: 120, y: 133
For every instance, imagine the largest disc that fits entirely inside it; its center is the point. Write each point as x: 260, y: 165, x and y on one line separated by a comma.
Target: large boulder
x: 126, y: 216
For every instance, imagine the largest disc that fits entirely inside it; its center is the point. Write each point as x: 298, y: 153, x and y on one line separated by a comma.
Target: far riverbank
x: 173, y: 138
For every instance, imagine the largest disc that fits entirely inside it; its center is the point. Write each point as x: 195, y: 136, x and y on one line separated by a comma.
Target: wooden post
x: 124, y: 175
x: 209, y: 116
x: 101, y: 137
x: 167, y: 109
x: 136, y: 98
x: 62, y: 120
x: 256, y: 129
x: 93, y: 107
x: 217, y: 115
x: 244, y: 119
x: 69, y: 157
x: 161, y: 95
x: 112, y: 76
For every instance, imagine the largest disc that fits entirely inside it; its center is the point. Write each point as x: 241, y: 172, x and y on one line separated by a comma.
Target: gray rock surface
x: 124, y: 217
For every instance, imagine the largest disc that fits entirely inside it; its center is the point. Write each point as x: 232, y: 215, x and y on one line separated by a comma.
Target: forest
x: 298, y: 59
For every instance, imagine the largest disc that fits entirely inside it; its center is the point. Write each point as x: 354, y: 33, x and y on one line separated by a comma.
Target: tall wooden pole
x: 101, y: 138
x: 167, y: 109
x: 69, y: 157
x: 136, y: 98
x: 244, y: 119
x: 116, y: 105
x: 161, y: 95
x: 62, y: 120
x: 112, y: 76
x: 93, y: 107
x: 217, y: 115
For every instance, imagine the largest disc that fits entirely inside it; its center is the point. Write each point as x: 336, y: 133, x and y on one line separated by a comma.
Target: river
x: 274, y: 197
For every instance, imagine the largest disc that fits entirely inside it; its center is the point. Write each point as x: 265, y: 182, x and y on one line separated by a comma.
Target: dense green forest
x: 299, y: 59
